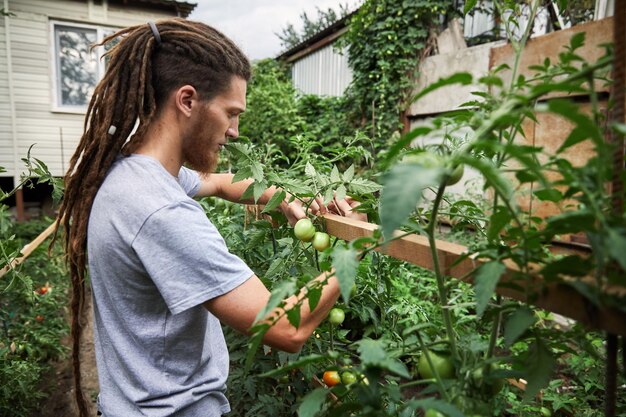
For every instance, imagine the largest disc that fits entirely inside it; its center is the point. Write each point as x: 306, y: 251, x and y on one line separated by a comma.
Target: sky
x: 252, y: 24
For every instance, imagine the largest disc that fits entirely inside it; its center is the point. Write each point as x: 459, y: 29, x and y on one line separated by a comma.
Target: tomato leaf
x: 312, y: 403
x: 280, y: 291
x: 404, y: 184
x: 363, y: 186
x: 348, y: 174
x: 346, y: 263
x: 275, y: 201
x: 314, y: 294
x: 334, y: 174
x: 431, y: 403
x: 616, y: 243
x: 293, y: 315
x: 485, y: 282
x: 371, y: 352
x: 309, y: 170
x: 341, y: 192
x: 257, y: 171
x: 498, y: 220
x: 517, y: 324
x: 539, y: 367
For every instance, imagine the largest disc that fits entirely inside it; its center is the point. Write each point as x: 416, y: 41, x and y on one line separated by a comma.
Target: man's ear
x: 185, y: 98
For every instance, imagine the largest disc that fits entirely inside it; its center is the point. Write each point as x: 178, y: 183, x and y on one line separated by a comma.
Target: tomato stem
x: 441, y: 286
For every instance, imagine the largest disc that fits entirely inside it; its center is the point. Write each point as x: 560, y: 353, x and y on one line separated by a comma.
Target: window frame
x: 101, y: 32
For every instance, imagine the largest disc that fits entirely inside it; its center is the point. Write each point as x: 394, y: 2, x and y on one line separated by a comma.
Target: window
x: 77, y: 67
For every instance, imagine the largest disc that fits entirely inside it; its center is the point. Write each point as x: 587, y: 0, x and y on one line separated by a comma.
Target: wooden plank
x: 29, y: 248
x: 558, y: 298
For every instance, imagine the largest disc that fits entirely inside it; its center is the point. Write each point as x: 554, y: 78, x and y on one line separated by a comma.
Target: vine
x: 385, y: 41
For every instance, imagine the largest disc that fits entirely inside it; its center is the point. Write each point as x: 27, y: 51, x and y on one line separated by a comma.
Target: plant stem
x: 495, y: 330
x: 441, y: 285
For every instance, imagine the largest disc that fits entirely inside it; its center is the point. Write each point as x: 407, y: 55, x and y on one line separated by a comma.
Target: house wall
x: 324, y: 72
x: 27, y: 116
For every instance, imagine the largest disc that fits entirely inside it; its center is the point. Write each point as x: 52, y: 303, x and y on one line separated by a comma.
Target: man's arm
x: 222, y: 186
x: 239, y: 308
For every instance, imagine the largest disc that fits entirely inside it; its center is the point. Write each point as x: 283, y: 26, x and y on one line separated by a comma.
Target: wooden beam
x: 559, y: 298
x: 19, y: 205
x: 29, y: 248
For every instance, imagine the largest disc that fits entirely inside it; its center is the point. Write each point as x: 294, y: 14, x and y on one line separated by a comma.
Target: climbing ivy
x: 385, y: 40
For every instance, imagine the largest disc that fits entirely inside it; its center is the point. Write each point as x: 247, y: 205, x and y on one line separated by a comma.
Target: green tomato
x: 456, y: 175
x: 487, y: 385
x: 321, y: 241
x: 336, y: 316
x: 348, y: 378
x: 304, y: 230
x: 443, y: 365
x: 431, y: 412
x: 353, y: 290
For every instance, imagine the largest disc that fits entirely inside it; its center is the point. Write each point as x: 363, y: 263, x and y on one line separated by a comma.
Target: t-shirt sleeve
x: 189, y: 180
x: 186, y: 257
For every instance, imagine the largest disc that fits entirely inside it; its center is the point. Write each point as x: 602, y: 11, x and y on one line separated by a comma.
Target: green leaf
x: 334, y: 174
x: 314, y: 294
x: 405, y: 140
x: 570, y: 222
x: 539, y: 367
x: 280, y: 291
x: 293, y: 315
x: 549, y: 194
x: 571, y: 265
x: 347, y: 175
x: 258, y: 331
x: 275, y: 201
x: 275, y: 267
x: 469, y: 5
x: 485, y: 282
x: 257, y: 171
x: 463, y: 78
x: 309, y: 170
x: 243, y: 173
x: 616, y: 243
x: 371, y: 352
x: 341, y: 192
x: 312, y: 403
x: 346, y: 265
x: 498, y: 220
x: 259, y: 188
x: 363, y: 186
x: 577, y: 40
x: 517, y: 324
x: 402, y: 192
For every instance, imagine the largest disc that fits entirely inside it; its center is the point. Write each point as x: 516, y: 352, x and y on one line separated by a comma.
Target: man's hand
x: 295, y: 210
x: 345, y: 208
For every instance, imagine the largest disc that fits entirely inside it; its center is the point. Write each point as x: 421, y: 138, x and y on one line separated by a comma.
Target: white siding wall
x: 325, y: 72
x: 31, y: 42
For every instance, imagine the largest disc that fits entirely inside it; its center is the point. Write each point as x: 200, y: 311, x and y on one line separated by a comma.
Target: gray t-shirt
x: 154, y: 258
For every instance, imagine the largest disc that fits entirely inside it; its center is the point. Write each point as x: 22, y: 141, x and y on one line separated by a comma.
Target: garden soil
x: 59, y: 382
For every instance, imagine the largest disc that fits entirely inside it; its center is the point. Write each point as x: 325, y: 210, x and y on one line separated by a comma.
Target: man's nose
x: 233, y: 130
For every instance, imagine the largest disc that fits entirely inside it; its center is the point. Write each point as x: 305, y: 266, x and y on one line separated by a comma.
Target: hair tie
x: 155, y: 32
x: 112, y: 130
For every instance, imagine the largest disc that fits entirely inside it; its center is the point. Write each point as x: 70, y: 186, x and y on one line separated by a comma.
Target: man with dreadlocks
x: 162, y: 278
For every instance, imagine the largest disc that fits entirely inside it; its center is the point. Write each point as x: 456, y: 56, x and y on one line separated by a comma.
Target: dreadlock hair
x: 142, y: 71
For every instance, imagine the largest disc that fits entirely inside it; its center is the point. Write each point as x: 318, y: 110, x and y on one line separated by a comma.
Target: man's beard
x: 198, y: 153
